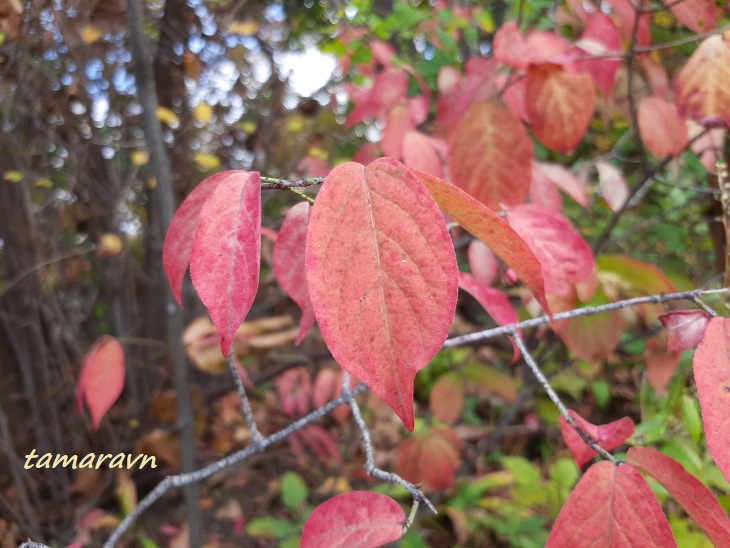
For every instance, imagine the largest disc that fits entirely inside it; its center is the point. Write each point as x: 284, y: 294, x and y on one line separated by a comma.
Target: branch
x: 256, y: 436
x: 578, y: 312
x: 272, y: 183
x: 185, y: 479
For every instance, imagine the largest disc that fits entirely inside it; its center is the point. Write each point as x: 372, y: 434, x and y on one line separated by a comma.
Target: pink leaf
x: 511, y: 47
x: 289, y: 254
x: 608, y: 436
x: 493, y: 300
x: 102, y: 378
x: 179, y: 239
x: 389, y: 88
x: 382, y: 276
x: 627, y: 26
x: 543, y: 192
x: 612, y: 184
x: 685, y: 328
x: 513, y: 88
x: 562, y: 178
x: 359, y: 519
x: 612, y: 506
x: 397, y: 125
x: 600, y: 37
x: 226, y: 254
x: 483, y: 263
x: 660, y: 368
x: 697, y: 15
x: 492, y: 230
x: 490, y: 154
x: 328, y: 386
x: 565, y: 256
x: 322, y: 444
x: 294, y: 388
x: 712, y: 374
x: 663, y: 133
x: 421, y: 153
x: 691, y: 493
x: 708, y: 145
x: 478, y: 86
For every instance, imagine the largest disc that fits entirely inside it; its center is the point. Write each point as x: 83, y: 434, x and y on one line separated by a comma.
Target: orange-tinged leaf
x: 431, y: 458
x: 102, y: 378
x: 663, y: 133
x: 612, y: 506
x: 559, y: 106
x: 490, y: 155
x: 289, y: 253
x: 609, y: 436
x: 702, y: 87
x: 180, y: 234
x: 446, y: 400
x: 491, y: 229
x: 691, y: 493
x: 382, y: 276
x: 226, y: 253
x: 712, y: 374
x: 359, y: 519
x: 685, y: 328
x: 565, y: 256
x: 697, y: 15
x: 660, y: 366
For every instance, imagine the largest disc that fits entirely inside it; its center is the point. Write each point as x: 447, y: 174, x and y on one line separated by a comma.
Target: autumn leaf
x: 695, y: 498
x: 559, y: 106
x: 382, y: 276
x: 712, y: 374
x: 565, y: 256
x: 102, y: 378
x: 611, y: 506
x: 289, y: 253
x: 600, y: 37
x: 421, y: 152
x: 702, y: 87
x: 612, y: 185
x: 431, y: 458
x: 491, y: 229
x: 685, y: 328
x: 226, y: 252
x: 482, y: 262
x: 608, y: 436
x: 490, y: 154
x: 358, y: 519
x: 697, y: 15
x: 663, y: 133
x: 446, y: 400
x: 562, y: 178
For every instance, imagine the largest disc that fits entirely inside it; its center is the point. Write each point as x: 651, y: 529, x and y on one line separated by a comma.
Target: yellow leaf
x: 13, y: 176
x: 207, y: 161
x: 203, y: 113
x: 248, y: 127
x: 140, y: 157
x: 126, y: 493
x: 152, y: 182
x: 244, y: 28
x: 90, y: 34
x: 109, y: 244
x: 43, y: 182
x: 318, y: 153
x: 295, y: 124
x: 166, y: 116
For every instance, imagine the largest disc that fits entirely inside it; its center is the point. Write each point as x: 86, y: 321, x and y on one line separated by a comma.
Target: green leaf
x: 524, y: 471
x: 269, y: 528
x: 602, y: 392
x: 691, y: 418
x: 294, y: 491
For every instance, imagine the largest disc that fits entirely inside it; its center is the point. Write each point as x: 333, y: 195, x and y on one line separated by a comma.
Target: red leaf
x: 483, y: 263
x: 562, y: 178
x: 322, y: 444
x: 359, y: 519
x: 656, y: 75
x: 289, y: 254
x: 179, y: 239
x: 663, y: 133
x: 685, y: 328
x: 609, y: 436
x: 695, y: 498
x: 459, y: 95
x: 611, y: 506
x: 612, y: 184
x: 559, y: 106
x: 328, y: 386
x: 702, y: 87
x: 660, y: 368
x: 712, y: 375
x: 421, y: 152
x: 490, y: 154
x: 600, y: 37
x: 565, y: 256
x: 389, y: 88
x: 431, y: 458
x: 397, y: 125
x: 543, y: 192
x: 494, y: 302
x: 697, y: 15
x: 294, y: 387
x: 511, y: 47
x: 446, y: 400
x: 382, y: 276
x: 513, y: 93
x: 492, y: 230
x: 226, y: 254
x: 626, y: 14
x: 102, y: 378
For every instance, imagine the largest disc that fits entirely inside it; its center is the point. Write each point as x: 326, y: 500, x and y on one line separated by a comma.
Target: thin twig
x: 256, y: 436
x: 553, y: 395
x: 479, y: 336
x: 272, y: 183
x: 370, y: 467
